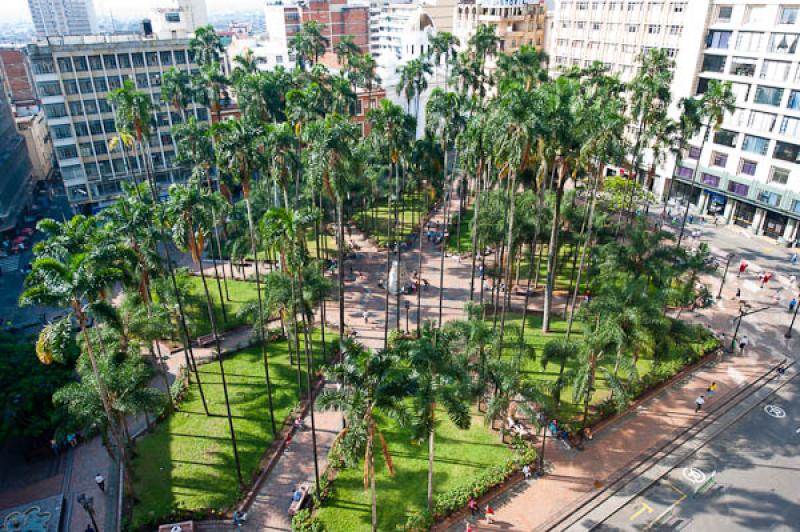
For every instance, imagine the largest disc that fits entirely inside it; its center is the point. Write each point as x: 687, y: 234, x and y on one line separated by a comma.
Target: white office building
x: 63, y: 17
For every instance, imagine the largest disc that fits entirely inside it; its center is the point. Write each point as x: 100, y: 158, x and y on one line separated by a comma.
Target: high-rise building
x: 749, y: 169
x: 74, y: 76
x: 63, y: 17
x: 284, y: 18
x: 17, y: 82
x: 15, y: 169
x: 40, y: 146
x: 404, y: 31
x: 516, y: 22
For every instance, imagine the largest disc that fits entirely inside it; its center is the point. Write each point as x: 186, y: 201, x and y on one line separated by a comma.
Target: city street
x: 745, y: 479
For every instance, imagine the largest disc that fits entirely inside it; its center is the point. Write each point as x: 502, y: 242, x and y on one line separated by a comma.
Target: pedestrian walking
x: 238, y: 519
x: 473, y: 506
x: 711, y: 389
x: 526, y: 471
x: 698, y: 403
x: 101, y: 481
x: 742, y: 268
x: 365, y: 315
x: 743, y: 343
x: 489, y: 514
x: 738, y: 293
x: 793, y: 259
x: 793, y: 280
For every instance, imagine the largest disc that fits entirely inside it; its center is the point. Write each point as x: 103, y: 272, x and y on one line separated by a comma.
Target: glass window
x: 755, y: 144
x: 738, y: 188
x: 105, y: 167
x: 44, y: 66
x: 152, y: 59
x: 714, y: 63
x: 202, y: 114
x: 90, y: 106
x: 63, y: 131
x: 95, y: 62
x: 768, y: 95
x: 694, y: 152
x: 80, y: 64
x: 718, y: 39
x: 110, y: 61
x: 124, y: 60
x: 684, y: 171
x: 66, y: 152
x: 155, y: 79
x: 743, y: 66
x: 762, y: 121
x: 790, y: 126
x: 787, y: 152
x: 55, y: 110
x: 65, y: 64
x: 100, y: 84
x: 747, y: 167
x: 85, y: 85
x: 96, y: 127
x: 780, y: 43
x: 100, y: 147
x: 709, y: 179
x: 114, y: 83
x: 72, y: 172
x: 794, y: 100
x: 119, y: 165
x: 109, y: 125
x: 141, y: 80
x: 86, y: 149
x: 749, y: 41
x: 770, y: 198
x: 48, y: 88
x: 75, y: 108
x: 779, y: 176
x: 789, y: 15
x: 104, y: 106
x: 70, y: 86
x: 180, y: 57
x: 724, y: 13
x: 757, y: 15
x: 775, y: 70
x: 726, y: 137
x: 741, y: 91
x: 138, y: 59
x: 81, y: 129
x: 719, y: 159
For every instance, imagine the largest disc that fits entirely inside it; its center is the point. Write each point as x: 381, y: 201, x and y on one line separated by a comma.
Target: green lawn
x: 187, y: 461
x: 460, y: 455
x: 240, y: 292
x: 461, y: 240
x: 375, y: 223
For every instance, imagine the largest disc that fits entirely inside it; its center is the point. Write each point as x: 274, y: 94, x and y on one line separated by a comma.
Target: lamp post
x: 791, y: 325
x: 88, y: 506
x: 743, y: 312
x: 724, y: 275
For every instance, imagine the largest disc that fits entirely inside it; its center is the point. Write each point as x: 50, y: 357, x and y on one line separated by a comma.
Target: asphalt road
x: 748, y: 478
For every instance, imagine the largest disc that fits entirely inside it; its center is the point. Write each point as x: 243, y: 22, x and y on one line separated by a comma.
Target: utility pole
x: 743, y: 312
x: 724, y: 275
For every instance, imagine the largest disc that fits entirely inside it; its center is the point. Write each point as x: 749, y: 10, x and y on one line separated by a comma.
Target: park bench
x: 206, y: 340
x: 298, y: 504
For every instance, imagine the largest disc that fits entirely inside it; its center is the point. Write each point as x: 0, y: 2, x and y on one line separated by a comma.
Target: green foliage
x: 303, y: 521
x: 419, y: 522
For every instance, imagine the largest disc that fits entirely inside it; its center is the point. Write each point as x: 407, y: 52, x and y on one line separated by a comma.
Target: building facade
x: 15, y: 169
x: 63, y: 17
x: 74, y: 76
x: 180, y: 18
x: 404, y: 31
x: 34, y: 130
x: 516, y: 22
x: 18, y: 82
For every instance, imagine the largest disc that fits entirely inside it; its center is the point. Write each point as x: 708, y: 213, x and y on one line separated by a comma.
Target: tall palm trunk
x: 586, y: 241
x: 445, y: 225
x: 431, y: 438
x: 553, y: 249
x: 419, y: 269
x: 694, y: 179
x: 340, y: 260
x: 218, y: 345
x: 475, y: 218
x: 262, y: 338
x: 309, y: 386
x: 509, y: 261
x: 389, y: 256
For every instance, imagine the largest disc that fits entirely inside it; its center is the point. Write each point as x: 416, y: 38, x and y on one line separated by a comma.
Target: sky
x: 15, y: 10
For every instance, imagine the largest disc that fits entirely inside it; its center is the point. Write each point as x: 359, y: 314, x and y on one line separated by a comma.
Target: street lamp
x: 742, y: 313
x: 725, y: 274
x: 791, y: 325
x: 88, y: 506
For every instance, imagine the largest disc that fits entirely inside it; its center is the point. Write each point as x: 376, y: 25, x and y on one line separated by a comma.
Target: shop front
x: 716, y: 203
x: 744, y: 214
x: 775, y: 224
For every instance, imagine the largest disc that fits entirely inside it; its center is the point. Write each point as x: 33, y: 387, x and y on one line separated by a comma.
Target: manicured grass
x: 240, y: 292
x: 187, y: 461
x: 376, y: 222
x: 460, y: 455
x: 461, y: 241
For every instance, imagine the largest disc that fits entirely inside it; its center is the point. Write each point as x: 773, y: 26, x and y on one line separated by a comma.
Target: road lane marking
x: 645, y: 507
x: 775, y: 411
x: 693, y: 474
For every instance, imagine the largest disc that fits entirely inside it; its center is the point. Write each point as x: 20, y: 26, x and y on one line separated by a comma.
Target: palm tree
x: 347, y: 52
x: 688, y: 125
x: 309, y: 43
x: 237, y: 153
x: 189, y: 214
x: 443, y: 46
x: 413, y: 82
x: 376, y: 383
x: 74, y: 277
x: 244, y: 65
x: 441, y: 377
x: 715, y: 102
x: 331, y: 144
x: 176, y: 90
x: 206, y: 46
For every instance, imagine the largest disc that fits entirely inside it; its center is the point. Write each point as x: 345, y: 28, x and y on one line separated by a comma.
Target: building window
x: 709, y: 179
x: 789, y: 15
x: 55, y: 110
x: 779, y: 176
x: 694, y: 152
x: 675, y: 30
x: 152, y: 59
x: 787, y: 152
x: 653, y: 29
x: 718, y: 39
x: 749, y: 41
x: 775, y: 70
x: 96, y: 63
x: 755, y: 144
x: 66, y: 152
x: 65, y: 64
x: 63, y: 131
x: 684, y: 172
x: 173, y: 17
x: 96, y: 127
x: 714, y: 63
x: 81, y: 129
x: 739, y: 189
x: 91, y: 107
x: 726, y: 137
x: 719, y: 159
x: 741, y: 91
x: 110, y: 61
x: 137, y: 59
x: 100, y: 84
x: 796, y: 206
x: 790, y: 126
x: 72, y: 172
x: 756, y: 15
x: 747, y: 167
x: 124, y: 60
x: 632, y: 28
x: 743, y: 66
x: 48, y: 88
x: 724, y: 13
x: 794, y: 100
x: 762, y: 121
x: 768, y: 95
x: 45, y: 66
x: 678, y: 7
x: 779, y: 43
x: 166, y: 58
x: 769, y: 198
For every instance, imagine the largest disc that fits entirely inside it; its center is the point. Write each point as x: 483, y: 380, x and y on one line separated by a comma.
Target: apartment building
x: 404, y: 31
x: 73, y: 77
x: 17, y: 82
x: 33, y: 128
x: 749, y: 170
x: 63, y: 17
x: 15, y: 169
x: 516, y: 22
